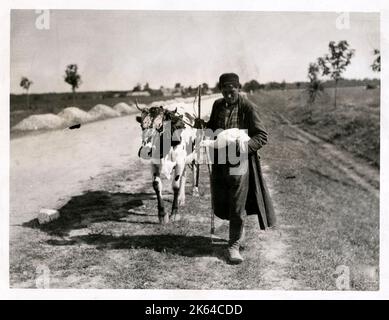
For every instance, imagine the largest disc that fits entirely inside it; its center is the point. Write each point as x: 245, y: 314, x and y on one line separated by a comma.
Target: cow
x: 168, y: 141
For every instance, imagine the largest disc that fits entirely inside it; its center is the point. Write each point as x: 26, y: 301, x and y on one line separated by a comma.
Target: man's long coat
x: 258, y: 199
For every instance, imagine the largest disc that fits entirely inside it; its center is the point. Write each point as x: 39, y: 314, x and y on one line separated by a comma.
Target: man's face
x: 230, y: 93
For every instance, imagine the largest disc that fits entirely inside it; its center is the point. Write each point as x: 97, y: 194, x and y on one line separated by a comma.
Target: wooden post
x: 199, y: 103
x: 199, y: 116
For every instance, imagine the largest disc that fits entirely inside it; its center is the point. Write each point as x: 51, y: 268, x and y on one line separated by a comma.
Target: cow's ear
x: 139, y: 119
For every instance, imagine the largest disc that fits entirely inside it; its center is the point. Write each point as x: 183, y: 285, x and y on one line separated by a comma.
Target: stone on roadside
x: 47, y: 215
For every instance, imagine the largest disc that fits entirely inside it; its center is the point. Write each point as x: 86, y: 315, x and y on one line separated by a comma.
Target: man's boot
x: 237, y: 234
x: 234, y: 254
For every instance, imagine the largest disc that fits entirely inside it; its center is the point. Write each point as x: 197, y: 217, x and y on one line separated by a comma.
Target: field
x: 321, y: 166
x: 354, y: 124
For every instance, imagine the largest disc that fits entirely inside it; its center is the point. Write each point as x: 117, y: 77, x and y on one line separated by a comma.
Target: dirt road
x: 110, y: 238
x: 48, y: 169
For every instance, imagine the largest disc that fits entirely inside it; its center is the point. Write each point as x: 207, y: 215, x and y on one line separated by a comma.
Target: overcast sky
x: 116, y: 49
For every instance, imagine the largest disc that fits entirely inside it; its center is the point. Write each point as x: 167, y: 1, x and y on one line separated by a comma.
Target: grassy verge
x: 353, y: 125
x: 331, y: 222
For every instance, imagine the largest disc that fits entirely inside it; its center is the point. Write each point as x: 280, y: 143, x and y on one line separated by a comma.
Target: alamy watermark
x: 42, y: 21
x: 42, y: 280
x: 342, y: 277
x: 342, y: 22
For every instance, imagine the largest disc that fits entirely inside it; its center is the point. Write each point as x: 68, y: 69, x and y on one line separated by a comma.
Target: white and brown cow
x: 169, y: 145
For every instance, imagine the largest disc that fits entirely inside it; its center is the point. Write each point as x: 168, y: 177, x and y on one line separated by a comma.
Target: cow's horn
x: 136, y: 103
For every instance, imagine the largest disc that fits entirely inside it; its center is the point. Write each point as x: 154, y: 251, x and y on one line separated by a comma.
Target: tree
x: 146, y: 87
x: 272, y: 85
x: 204, y: 88
x: 336, y: 62
x: 376, y: 66
x: 25, y: 83
x: 315, y: 86
x: 73, y: 78
x: 178, y: 89
x: 191, y: 90
x: 216, y: 88
x: 137, y: 88
x: 252, y: 85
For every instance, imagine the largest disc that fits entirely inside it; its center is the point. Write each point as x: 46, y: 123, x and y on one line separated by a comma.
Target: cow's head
x: 151, y: 122
x: 157, y: 122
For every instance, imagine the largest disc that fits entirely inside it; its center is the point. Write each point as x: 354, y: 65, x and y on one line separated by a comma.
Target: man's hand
x: 199, y: 123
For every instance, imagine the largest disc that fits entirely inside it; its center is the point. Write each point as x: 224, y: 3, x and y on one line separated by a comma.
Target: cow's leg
x: 181, y: 193
x: 157, y: 185
x: 176, y: 184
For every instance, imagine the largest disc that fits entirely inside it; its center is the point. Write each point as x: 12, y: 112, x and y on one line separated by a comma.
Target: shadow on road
x: 90, y: 207
x: 189, y: 246
x: 100, y: 206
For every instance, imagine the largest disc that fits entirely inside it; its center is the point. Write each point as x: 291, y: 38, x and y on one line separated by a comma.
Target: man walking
x: 235, y: 195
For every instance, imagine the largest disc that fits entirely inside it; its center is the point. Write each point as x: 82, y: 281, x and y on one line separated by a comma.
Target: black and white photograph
x: 233, y: 150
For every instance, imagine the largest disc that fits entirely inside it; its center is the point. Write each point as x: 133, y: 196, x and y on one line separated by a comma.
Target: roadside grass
x: 331, y: 222
x: 353, y: 125
x: 330, y: 230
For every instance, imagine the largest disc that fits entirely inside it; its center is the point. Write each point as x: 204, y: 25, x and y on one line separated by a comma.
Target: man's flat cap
x: 229, y: 78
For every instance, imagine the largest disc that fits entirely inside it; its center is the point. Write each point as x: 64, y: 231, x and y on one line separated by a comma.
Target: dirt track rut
x: 361, y: 173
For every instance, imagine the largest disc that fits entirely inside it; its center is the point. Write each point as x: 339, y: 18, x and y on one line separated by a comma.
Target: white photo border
x: 190, y: 5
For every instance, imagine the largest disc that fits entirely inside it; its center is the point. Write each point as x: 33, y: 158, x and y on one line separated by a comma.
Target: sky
x: 115, y: 50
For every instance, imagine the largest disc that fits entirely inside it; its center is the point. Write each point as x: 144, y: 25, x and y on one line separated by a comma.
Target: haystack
x: 124, y: 109
x: 40, y: 122
x: 101, y: 111
x: 73, y: 115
